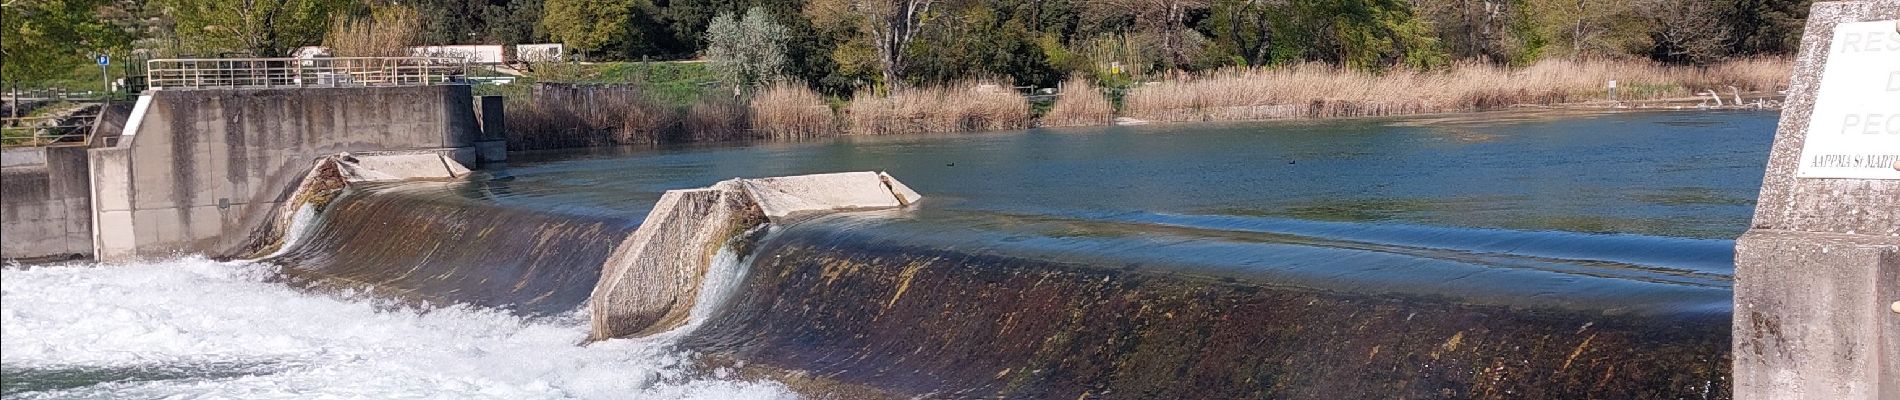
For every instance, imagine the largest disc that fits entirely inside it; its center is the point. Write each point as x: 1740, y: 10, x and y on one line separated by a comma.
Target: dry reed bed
x: 560, y: 115
x: 569, y: 115
x: 716, y: 119
x: 1080, y: 104
x: 964, y: 107
x: 1313, y: 90
x: 789, y: 110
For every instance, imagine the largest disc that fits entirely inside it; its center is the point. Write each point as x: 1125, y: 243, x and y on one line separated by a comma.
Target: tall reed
x: 790, y: 110
x: 387, y: 31
x: 1080, y: 103
x: 570, y: 115
x: 961, y: 107
x: 717, y: 118
x: 1313, y: 90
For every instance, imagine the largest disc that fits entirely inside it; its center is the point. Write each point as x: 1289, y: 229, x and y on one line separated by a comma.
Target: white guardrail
x: 231, y: 73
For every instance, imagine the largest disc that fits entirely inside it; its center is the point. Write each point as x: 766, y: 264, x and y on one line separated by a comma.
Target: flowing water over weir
x: 1113, y: 263
x: 897, y: 309
x: 409, y: 242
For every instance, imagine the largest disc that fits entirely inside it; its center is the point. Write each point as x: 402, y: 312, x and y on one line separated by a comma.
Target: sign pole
x: 105, y: 78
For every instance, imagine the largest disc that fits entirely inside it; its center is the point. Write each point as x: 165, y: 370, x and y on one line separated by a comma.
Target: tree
x: 745, y: 52
x: 514, y: 22
x: 49, y: 38
x: 1243, y: 29
x: 1767, y: 26
x: 1589, y: 28
x: 892, y: 24
x: 1166, y: 20
x: 265, y: 28
x: 1685, y: 31
x: 586, y: 24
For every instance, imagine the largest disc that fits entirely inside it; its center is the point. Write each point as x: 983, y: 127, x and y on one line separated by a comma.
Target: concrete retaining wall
x: 200, y: 171
x: 44, y: 207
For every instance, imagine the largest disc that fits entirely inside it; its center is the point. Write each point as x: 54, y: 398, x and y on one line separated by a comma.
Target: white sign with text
x: 1854, y: 131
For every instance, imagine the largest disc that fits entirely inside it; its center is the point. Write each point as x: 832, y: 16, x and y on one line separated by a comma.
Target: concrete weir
x: 649, y: 284
x: 199, y: 171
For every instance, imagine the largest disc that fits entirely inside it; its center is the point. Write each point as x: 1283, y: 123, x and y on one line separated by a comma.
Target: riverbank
x: 1318, y: 91
x: 558, y: 115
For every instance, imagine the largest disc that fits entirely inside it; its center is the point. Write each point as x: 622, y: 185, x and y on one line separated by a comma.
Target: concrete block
x: 112, y: 188
x: 42, y: 205
x: 21, y: 157
x: 650, y: 283
x: 114, y: 238
x: 160, y: 232
x: 78, y: 226
x: 208, y: 221
x: 396, y: 166
x: 1817, y: 332
x: 68, y: 173
x: 787, y: 196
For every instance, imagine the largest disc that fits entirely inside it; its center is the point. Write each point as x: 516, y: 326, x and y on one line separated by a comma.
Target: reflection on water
x: 1681, y: 174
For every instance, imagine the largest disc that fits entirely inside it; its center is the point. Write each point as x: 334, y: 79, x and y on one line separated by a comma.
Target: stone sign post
x: 1818, y: 273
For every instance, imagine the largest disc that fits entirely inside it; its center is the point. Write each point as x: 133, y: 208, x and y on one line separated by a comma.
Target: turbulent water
x: 194, y: 328
x: 1487, y: 256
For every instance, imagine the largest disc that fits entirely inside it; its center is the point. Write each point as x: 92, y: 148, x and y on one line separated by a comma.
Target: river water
x: 1589, y: 221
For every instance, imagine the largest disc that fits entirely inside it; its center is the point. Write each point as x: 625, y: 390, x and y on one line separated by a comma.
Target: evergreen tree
x: 745, y: 52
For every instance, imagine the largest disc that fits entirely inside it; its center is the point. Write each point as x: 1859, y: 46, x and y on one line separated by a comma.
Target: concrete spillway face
x: 650, y: 283
x: 331, y: 175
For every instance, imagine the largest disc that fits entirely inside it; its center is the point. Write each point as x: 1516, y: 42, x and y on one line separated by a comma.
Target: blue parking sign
x: 104, y: 59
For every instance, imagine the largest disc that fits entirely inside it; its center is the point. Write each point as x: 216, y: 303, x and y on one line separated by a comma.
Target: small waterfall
x: 302, y: 222
x: 729, y: 267
x: 410, y: 242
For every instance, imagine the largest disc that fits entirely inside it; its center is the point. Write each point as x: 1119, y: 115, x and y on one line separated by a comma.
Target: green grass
x: 670, y: 82
x: 80, y: 78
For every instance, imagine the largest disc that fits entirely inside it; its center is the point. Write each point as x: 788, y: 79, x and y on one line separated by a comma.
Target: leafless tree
x: 892, y: 24
x: 1685, y: 30
x: 1166, y: 19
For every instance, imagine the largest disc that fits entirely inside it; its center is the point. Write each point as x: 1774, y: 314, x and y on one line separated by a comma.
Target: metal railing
x: 45, y: 131
x: 233, y: 73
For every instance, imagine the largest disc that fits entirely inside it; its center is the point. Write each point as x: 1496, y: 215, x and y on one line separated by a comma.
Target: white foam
x: 197, y: 312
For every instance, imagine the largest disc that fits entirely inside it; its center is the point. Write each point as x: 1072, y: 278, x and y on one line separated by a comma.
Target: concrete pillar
x: 1817, y: 274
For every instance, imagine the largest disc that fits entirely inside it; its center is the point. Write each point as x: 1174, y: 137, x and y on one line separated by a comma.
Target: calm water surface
x: 1676, y: 174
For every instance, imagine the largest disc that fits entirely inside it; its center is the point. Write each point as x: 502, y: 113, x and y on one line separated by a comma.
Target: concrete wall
x: 1818, y: 269
x: 45, y: 207
x: 201, y: 170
